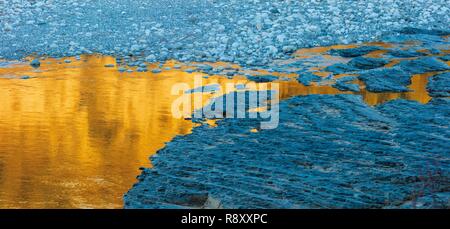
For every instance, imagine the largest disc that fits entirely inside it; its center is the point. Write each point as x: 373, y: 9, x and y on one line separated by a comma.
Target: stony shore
x: 252, y: 32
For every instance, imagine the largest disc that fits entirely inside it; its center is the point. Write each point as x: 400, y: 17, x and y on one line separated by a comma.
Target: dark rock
x: 340, y: 68
x: 423, y: 65
x: 405, y: 53
x: 327, y: 159
x: 439, y: 85
x: 410, y: 30
x: 390, y: 164
x: 386, y: 79
x: 307, y: 78
x: 344, y: 85
x: 445, y: 58
x: 35, y: 63
x: 367, y: 63
x: 262, y: 78
x: 354, y: 52
x: 141, y: 69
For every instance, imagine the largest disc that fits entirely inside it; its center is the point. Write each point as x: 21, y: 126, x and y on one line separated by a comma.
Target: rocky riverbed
x: 329, y: 151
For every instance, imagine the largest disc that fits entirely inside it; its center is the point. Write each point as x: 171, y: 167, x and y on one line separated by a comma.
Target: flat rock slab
x: 354, y: 52
x: 328, y: 152
x: 366, y: 63
x: 308, y: 77
x: 423, y: 65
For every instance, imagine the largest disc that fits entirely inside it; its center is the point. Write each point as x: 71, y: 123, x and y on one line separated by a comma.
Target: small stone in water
x: 141, y: 69
x: 35, y: 63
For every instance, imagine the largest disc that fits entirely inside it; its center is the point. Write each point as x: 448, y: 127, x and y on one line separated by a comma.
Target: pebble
x: 35, y: 63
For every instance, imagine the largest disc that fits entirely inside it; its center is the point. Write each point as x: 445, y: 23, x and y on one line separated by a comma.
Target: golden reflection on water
x: 75, y: 134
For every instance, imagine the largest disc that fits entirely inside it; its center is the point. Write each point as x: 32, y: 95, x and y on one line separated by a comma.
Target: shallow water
x: 73, y: 135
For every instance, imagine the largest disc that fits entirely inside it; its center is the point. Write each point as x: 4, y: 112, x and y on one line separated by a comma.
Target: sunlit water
x: 74, y: 135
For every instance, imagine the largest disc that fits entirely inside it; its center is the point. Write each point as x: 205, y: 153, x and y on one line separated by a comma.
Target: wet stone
x: 354, y: 52
x: 405, y: 53
x: 344, y: 86
x: 445, y: 58
x: 423, y: 65
x: 439, y: 85
x: 366, y: 63
x: 262, y: 78
x: 340, y: 68
x: 391, y: 141
x: 307, y: 78
x: 435, y: 32
x: 35, y: 63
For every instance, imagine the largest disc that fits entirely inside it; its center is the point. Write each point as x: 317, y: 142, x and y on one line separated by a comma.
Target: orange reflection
x: 75, y: 135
